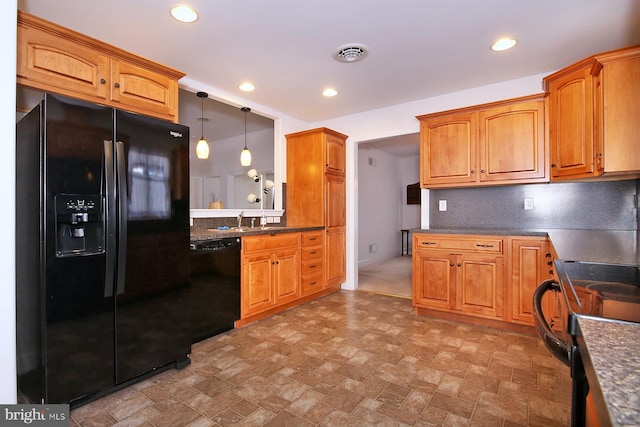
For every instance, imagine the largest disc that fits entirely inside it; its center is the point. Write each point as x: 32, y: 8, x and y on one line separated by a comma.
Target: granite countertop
x: 213, y: 233
x: 606, y: 246
x: 609, y: 351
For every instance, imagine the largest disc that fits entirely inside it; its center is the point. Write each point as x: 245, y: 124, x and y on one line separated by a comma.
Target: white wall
x: 8, y: 16
x: 379, y: 206
x: 382, y: 203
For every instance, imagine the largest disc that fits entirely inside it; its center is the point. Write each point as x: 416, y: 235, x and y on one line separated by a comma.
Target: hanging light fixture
x: 202, y: 147
x: 245, y: 156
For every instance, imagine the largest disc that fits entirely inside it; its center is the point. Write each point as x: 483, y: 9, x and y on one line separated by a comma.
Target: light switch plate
x: 528, y: 204
x: 442, y: 205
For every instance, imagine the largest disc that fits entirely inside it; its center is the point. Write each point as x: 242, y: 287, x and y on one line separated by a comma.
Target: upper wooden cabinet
x: 56, y: 59
x: 497, y: 143
x: 594, y: 116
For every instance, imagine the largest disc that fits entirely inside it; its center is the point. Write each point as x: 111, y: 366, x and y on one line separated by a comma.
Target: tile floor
x: 350, y: 359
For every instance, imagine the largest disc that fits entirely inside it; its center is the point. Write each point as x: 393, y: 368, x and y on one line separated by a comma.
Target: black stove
x: 609, y: 292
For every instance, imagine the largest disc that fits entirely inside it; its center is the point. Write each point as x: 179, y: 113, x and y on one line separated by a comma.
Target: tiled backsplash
x: 582, y: 205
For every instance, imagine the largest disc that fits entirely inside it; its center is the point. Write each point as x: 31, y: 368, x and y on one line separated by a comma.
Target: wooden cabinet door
x: 448, y: 149
x: 480, y: 285
x: 49, y: 62
x: 144, y: 90
x: 512, y: 142
x: 335, y: 222
x: 528, y: 269
x: 257, y: 283
x: 336, y: 155
x: 571, y: 138
x: 286, y: 276
x: 433, y: 279
x: 335, y: 201
x: 305, y: 179
x: 335, y: 256
x: 617, y: 105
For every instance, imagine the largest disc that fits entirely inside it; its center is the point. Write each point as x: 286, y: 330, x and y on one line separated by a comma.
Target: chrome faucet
x: 240, y: 216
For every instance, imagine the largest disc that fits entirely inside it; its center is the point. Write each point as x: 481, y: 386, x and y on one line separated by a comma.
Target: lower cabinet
x: 335, y: 257
x: 270, y: 272
x: 456, y: 274
x: 531, y: 263
x: 280, y: 271
x: 490, y: 277
x: 312, y: 262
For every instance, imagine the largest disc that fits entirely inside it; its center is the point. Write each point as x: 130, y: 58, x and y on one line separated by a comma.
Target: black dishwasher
x: 214, y: 293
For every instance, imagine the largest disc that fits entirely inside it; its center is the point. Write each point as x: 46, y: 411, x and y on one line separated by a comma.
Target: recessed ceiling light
x: 503, y: 44
x: 329, y: 92
x: 184, y: 14
x: 247, y: 87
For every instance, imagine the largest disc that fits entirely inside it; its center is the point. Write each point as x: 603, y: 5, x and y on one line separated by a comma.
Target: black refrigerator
x: 102, y: 249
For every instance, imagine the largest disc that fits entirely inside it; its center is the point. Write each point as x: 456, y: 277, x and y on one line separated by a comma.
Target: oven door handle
x: 558, y: 347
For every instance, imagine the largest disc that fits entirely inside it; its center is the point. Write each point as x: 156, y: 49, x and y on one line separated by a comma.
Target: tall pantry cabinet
x: 316, y: 192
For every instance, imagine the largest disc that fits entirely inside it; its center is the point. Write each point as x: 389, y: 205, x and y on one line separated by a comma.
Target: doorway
x: 384, y: 169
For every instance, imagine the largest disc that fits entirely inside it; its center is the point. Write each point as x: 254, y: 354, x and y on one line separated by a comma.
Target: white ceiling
x: 417, y: 48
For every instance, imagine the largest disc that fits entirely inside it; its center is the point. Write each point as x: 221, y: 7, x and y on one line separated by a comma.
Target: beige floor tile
x: 349, y: 359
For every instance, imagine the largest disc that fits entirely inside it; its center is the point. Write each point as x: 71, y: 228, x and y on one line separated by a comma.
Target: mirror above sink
x: 221, y: 178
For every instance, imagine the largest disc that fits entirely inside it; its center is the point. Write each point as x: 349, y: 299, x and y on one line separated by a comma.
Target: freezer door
x: 78, y: 300
x: 152, y: 326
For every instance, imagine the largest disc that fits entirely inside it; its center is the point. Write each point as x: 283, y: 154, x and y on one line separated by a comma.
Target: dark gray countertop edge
x: 212, y: 234
x: 606, y: 246
x: 485, y: 231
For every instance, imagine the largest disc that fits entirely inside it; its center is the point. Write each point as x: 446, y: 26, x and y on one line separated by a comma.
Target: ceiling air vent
x: 350, y: 53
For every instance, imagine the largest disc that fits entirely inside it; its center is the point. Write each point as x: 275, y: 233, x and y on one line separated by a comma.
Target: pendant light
x: 245, y: 156
x: 202, y: 147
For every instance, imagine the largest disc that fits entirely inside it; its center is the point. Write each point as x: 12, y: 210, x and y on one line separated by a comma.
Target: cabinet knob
x: 459, y: 265
x: 473, y: 171
x: 116, y: 85
x: 102, y: 81
x: 482, y: 171
x: 553, y: 165
x: 451, y: 265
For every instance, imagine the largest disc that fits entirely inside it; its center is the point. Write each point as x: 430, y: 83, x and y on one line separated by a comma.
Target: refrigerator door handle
x: 123, y: 203
x: 110, y: 218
